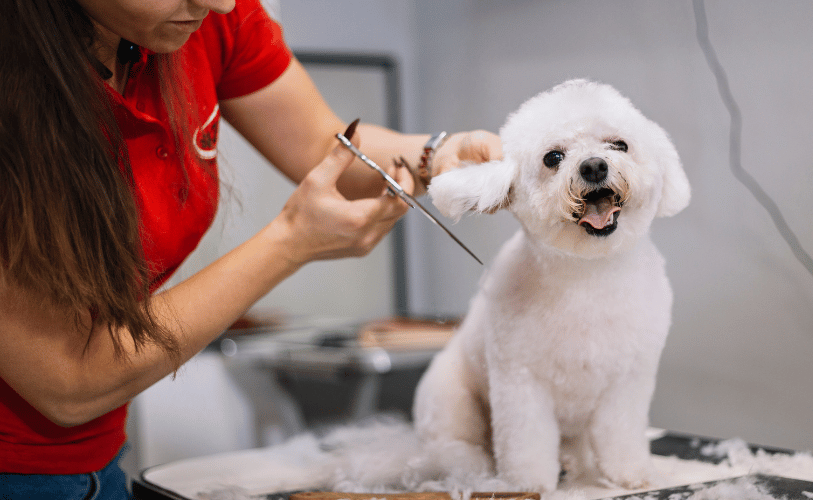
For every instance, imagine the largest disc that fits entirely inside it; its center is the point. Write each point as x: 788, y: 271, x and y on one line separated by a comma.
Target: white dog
x: 555, y: 363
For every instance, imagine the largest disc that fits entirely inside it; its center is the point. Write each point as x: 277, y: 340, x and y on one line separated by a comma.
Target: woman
x: 108, y: 179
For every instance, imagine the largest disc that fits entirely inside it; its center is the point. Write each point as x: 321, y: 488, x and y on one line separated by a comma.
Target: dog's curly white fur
x: 555, y: 363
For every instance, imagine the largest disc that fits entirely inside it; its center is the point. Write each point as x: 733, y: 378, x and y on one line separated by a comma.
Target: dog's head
x: 583, y: 171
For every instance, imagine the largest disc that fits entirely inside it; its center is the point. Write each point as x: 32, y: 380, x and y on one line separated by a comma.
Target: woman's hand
x: 320, y: 223
x: 477, y: 146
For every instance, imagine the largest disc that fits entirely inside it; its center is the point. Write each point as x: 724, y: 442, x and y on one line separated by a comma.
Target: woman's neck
x: 104, y: 49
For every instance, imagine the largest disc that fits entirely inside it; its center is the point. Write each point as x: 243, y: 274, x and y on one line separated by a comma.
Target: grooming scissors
x: 397, y: 190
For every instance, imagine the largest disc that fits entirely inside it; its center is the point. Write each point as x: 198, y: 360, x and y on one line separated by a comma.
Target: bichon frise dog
x: 555, y: 363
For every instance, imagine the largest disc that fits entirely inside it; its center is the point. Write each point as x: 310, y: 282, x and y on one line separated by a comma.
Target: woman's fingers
x: 478, y: 146
x: 333, y: 166
x: 328, y: 225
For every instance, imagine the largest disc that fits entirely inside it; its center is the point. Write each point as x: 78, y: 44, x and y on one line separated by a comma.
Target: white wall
x: 738, y: 361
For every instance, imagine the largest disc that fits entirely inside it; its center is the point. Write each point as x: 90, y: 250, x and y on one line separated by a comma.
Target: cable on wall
x: 735, y: 140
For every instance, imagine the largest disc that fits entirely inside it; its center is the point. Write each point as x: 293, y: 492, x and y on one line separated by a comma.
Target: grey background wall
x: 738, y: 360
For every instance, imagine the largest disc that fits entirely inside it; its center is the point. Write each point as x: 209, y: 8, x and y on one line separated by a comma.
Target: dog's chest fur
x: 571, y: 327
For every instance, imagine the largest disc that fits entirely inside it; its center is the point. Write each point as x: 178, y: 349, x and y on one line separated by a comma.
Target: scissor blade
x: 396, y: 188
x: 440, y: 225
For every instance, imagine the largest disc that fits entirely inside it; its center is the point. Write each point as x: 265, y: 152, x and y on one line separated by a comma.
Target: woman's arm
x: 72, y: 377
x: 290, y: 124
x: 293, y: 127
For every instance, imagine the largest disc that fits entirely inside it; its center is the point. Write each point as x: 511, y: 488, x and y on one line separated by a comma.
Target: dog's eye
x: 619, y: 146
x: 553, y: 159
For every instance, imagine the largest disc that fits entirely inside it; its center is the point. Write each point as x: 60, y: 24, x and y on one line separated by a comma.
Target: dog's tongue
x: 599, y: 213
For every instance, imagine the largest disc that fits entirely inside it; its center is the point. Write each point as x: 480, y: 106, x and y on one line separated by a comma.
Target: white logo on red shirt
x: 205, y: 137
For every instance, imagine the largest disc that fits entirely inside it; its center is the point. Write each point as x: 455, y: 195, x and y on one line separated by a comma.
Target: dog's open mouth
x: 600, y: 210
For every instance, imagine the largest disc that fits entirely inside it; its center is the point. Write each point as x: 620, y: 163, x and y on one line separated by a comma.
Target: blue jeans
x: 109, y: 483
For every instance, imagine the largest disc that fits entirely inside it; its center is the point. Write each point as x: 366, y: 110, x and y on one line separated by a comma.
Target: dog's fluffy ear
x: 676, y: 191
x: 483, y: 187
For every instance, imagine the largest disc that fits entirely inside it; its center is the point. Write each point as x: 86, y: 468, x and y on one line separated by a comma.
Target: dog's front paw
x: 459, y: 458
x: 629, y: 474
x: 537, y: 485
x: 538, y: 479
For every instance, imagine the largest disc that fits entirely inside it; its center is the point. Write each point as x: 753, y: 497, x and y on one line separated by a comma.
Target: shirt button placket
x: 161, y: 152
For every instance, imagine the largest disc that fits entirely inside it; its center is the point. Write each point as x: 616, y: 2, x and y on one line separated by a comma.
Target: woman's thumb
x: 340, y: 157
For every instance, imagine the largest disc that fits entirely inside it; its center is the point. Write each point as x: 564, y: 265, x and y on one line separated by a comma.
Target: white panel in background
x: 255, y: 192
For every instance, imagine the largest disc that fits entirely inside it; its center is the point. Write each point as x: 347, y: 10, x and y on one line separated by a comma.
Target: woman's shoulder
x: 244, y: 48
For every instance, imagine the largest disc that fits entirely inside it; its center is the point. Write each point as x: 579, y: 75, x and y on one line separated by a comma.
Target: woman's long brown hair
x: 69, y: 228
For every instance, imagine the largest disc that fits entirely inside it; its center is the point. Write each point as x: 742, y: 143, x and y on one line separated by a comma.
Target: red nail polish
x: 351, y: 129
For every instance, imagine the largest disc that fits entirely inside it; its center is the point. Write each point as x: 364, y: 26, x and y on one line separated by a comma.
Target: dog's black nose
x: 593, y: 170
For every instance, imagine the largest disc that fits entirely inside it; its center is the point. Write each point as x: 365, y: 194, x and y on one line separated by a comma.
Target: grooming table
x: 684, y: 458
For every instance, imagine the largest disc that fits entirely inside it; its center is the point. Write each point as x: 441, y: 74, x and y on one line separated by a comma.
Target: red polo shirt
x: 229, y: 56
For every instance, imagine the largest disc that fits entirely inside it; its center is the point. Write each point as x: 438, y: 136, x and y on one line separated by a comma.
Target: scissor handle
x: 394, y: 187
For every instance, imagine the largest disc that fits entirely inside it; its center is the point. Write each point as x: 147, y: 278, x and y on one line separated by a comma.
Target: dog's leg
x: 576, y: 458
x: 526, y: 434
x: 618, y: 431
x: 450, y: 417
